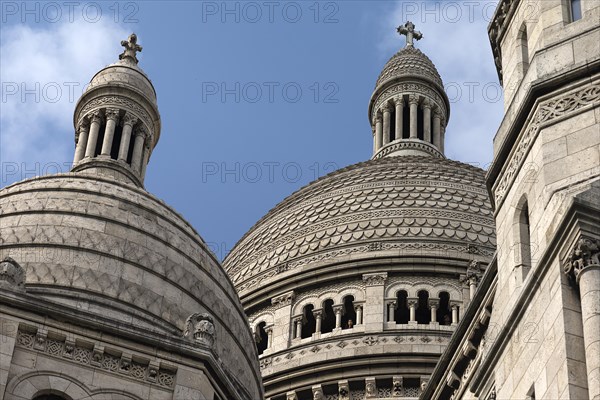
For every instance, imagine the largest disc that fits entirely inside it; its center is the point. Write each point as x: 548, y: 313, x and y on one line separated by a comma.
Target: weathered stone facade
x: 539, y: 338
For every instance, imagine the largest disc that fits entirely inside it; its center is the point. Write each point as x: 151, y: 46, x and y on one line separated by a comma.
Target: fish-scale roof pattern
x: 410, y: 61
x: 389, y: 199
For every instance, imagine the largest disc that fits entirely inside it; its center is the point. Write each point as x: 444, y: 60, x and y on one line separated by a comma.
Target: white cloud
x: 456, y: 40
x: 54, y: 63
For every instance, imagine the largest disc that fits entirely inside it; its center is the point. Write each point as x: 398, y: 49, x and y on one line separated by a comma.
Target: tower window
x: 328, y: 322
x: 405, y: 122
x: 402, y: 314
x: 523, y: 49
x: 309, y: 324
x: 575, y: 10
x: 261, y: 338
x: 525, y: 236
x: 423, y: 314
x: 443, y: 314
x: 349, y: 315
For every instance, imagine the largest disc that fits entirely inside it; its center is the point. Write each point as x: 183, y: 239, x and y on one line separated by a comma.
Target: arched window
x: 523, y: 50
x: 51, y: 396
x: 423, y: 314
x: 309, y: 324
x: 523, y: 237
x: 261, y: 338
x: 444, y: 315
x: 348, y: 313
x: 402, y: 314
x: 575, y: 8
x: 328, y: 322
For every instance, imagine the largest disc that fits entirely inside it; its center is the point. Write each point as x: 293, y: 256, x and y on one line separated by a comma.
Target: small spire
x: 131, y: 48
x: 408, y: 29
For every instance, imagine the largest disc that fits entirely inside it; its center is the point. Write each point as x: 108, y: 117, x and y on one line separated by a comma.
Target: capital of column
x: 95, y: 117
x: 84, y: 126
x: 378, y: 118
x: 141, y: 131
x: 437, y: 113
x: 434, y: 303
x: 112, y: 114
x: 338, y: 309
x: 386, y: 108
x: 317, y: 313
x: 585, y: 253
x: 358, y: 308
x: 297, y: 318
x: 427, y: 103
x: 129, y: 119
x: 413, y: 100
x: 412, y: 301
x: 269, y: 329
x: 399, y: 100
x: 453, y: 305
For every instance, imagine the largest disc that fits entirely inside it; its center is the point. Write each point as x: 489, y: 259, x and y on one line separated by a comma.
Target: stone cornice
x: 406, y: 144
x: 545, y: 111
x: 498, y: 27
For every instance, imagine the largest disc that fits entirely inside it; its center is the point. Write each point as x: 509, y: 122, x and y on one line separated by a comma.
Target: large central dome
x: 396, y: 205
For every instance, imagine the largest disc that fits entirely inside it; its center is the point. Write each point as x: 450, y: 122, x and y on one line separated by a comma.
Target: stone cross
x: 408, y: 29
x: 131, y: 48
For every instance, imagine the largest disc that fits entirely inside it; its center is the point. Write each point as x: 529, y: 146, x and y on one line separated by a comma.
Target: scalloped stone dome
x: 410, y: 61
x: 124, y: 74
x: 389, y: 205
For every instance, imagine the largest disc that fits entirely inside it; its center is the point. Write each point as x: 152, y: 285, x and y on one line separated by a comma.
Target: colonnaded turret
x: 354, y: 284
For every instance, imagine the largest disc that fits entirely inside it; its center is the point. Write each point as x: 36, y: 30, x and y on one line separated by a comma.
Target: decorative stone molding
x: 343, y: 390
x: 123, y: 102
x: 407, y: 144
x: 408, y: 88
x: 129, y: 119
x: 200, y: 328
x: 112, y: 113
x: 474, y: 273
x: 370, y: 388
x: 71, y: 350
x: 317, y: 391
x: 12, y: 275
x: 586, y: 252
x: 497, y: 29
x: 375, y: 279
x: 283, y: 300
x: 544, y: 113
x: 397, y: 383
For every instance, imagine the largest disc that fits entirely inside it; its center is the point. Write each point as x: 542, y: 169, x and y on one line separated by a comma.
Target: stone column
x: 387, y: 113
x: 427, y: 121
x: 374, y: 312
x: 146, y: 157
x: 374, y: 139
x: 472, y: 287
x: 95, y: 120
x: 298, y: 324
x: 412, y: 306
x: 437, y: 118
x: 589, y: 290
x: 358, y: 310
x: 338, y: 316
x: 378, y: 132
x: 390, y: 310
x: 454, y: 308
x: 269, y: 330
x: 82, y: 132
x: 112, y: 116
x: 442, y: 137
x: 281, y: 319
x: 138, y: 148
x: 413, y: 102
x: 433, y: 305
x: 399, y: 102
x: 128, y: 123
x: 318, y: 314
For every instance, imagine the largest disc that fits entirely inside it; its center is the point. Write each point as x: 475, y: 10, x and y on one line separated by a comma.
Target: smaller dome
x: 410, y: 61
x: 127, y: 74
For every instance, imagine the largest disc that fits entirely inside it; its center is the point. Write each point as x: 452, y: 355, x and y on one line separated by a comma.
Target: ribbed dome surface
x: 410, y: 61
x: 125, y: 74
x: 390, y: 203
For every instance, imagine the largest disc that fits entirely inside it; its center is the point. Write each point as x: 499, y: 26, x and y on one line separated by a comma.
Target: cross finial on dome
x: 408, y: 29
x: 131, y: 48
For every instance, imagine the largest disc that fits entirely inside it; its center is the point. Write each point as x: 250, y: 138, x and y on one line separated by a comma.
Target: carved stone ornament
x: 318, y: 392
x: 375, y: 278
x: 474, y: 273
x: 283, y: 299
x: 200, y: 328
x: 586, y: 252
x: 12, y: 274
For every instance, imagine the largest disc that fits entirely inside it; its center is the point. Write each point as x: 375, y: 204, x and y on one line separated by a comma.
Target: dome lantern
x: 116, y: 120
x: 409, y: 109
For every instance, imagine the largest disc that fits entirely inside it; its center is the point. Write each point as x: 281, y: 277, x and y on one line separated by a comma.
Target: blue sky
x: 257, y: 99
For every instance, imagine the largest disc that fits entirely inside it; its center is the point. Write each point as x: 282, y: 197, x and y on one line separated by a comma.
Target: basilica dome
x: 389, y: 206
x: 408, y: 62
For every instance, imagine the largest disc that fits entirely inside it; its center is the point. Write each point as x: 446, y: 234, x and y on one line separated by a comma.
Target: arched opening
x: 523, y: 51
x: 116, y: 144
x: 523, y: 232
x: 405, y: 121
x: 51, y: 395
x: 420, y: 123
x: 443, y: 314
x: 261, y: 338
x: 348, y: 313
x: 100, y: 140
x: 393, y: 123
x: 328, y: 322
x: 575, y: 8
x: 423, y: 314
x: 402, y: 313
x: 309, y: 324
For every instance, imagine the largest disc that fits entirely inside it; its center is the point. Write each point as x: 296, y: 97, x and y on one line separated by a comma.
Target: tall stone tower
x: 542, y: 339
x: 105, y: 291
x: 354, y: 284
